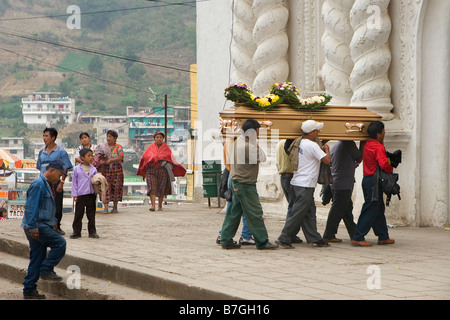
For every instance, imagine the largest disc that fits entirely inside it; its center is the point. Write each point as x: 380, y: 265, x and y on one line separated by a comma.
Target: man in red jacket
x: 372, y: 212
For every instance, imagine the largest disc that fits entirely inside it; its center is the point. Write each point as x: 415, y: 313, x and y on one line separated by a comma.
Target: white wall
x: 214, y: 19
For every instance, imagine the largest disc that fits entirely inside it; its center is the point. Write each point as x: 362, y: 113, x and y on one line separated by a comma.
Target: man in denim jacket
x: 39, y: 224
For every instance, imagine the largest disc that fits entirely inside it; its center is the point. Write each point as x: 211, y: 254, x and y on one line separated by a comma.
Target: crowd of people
x: 301, y: 163
x: 98, y: 170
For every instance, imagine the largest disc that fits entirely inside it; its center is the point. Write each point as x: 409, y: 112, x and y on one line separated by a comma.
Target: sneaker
x: 244, y: 241
x: 93, y: 235
x: 232, y: 245
x: 218, y: 239
x: 50, y: 276
x: 33, y: 295
x: 284, y: 244
x: 268, y: 246
x: 75, y: 236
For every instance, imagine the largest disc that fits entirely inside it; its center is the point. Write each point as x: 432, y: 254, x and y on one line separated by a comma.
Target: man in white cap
x: 303, y: 183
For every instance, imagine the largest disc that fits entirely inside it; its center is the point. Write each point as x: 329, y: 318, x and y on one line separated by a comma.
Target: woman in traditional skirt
x: 113, y: 172
x: 159, y: 167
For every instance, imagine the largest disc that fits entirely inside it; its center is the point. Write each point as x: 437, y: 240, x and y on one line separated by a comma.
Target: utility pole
x: 165, y: 118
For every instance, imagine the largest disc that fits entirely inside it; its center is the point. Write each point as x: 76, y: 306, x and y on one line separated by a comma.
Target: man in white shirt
x: 303, y: 184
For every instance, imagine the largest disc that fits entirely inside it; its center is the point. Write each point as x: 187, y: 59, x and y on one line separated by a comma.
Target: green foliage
x: 75, y: 61
x: 96, y: 65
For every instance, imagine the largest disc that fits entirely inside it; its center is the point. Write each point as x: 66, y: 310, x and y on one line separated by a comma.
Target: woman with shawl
x: 159, y: 167
x: 108, y: 161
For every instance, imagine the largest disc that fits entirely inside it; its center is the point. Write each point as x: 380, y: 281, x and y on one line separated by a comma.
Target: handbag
x: 325, y: 176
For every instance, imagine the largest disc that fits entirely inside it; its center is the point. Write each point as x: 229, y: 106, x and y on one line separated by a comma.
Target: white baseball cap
x: 311, y: 125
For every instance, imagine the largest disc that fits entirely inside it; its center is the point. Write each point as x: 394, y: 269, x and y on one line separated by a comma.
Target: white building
x: 47, y: 108
x: 13, y: 145
x: 390, y: 56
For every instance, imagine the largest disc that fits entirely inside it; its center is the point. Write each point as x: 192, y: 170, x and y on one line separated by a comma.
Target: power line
x: 87, y: 75
x: 105, y: 54
x: 74, y: 71
x: 167, y: 4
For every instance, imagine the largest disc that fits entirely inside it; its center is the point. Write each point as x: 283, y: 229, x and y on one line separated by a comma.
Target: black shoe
x: 268, y: 246
x: 33, y: 295
x: 75, y: 236
x: 93, y: 235
x: 284, y: 244
x: 296, y: 240
x: 59, y: 231
x: 50, y: 276
x: 218, y: 239
x: 233, y: 245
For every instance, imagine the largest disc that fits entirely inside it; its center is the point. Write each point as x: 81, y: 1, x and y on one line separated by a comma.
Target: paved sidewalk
x: 177, y: 246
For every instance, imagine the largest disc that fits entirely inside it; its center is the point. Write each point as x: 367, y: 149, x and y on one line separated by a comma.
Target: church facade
x: 389, y: 56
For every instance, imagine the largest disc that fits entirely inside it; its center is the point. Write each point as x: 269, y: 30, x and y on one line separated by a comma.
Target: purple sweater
x: 81, y: 183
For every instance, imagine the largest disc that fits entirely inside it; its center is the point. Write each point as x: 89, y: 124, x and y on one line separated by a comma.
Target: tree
x: 96, y: 65
x: 136, y: 72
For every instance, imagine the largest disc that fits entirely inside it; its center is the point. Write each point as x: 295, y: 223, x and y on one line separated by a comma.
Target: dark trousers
x: 40, y: 261
x: 303, y: 214
x: 372, y: 214
x: 341, y: 209
x: 58, y: 205
x: 285, y: 180
x: 88, y: 202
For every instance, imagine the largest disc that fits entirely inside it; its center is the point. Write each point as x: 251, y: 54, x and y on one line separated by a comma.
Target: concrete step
x: 73, y: 286
x: 100, y: 271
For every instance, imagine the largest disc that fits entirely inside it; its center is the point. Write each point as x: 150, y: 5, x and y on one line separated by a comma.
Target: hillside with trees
x: 126, y: 53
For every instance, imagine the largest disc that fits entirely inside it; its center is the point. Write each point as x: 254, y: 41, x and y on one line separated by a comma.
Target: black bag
x: 390, y: 186
x: 325, y: 176
x: 223, y: 188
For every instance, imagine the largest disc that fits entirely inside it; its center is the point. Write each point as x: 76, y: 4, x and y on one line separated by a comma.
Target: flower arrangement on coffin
x: 241, y: 93
x: 291, y: 95
x: 280, y: 92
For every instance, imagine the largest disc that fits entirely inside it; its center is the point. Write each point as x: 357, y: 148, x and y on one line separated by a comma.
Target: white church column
x: 371, y: 55
x: 336, y: 39
x: 270, y: 35
x: 243, y: 47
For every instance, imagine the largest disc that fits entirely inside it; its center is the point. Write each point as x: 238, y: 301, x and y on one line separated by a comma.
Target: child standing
x: 85, y: 140
x: 84, y: 194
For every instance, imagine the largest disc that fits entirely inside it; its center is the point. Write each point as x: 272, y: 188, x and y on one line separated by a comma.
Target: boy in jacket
x: 84, y: 195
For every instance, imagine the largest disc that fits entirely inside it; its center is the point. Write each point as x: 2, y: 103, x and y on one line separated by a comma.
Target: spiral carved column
x: 243, y: 47
x: 371, y: 55
x: 336, y: 39
x: 270, y: 59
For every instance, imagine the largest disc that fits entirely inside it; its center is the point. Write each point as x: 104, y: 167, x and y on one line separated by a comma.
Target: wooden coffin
x: 340, y: 123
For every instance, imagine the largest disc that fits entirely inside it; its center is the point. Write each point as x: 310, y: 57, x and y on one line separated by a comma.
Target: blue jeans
x: 40, y: 262
x: 372, y: 214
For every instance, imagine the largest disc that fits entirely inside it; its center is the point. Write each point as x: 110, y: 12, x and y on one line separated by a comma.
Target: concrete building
x: 47, y: 108
x: 389, y: 56
x: 13, y: 145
